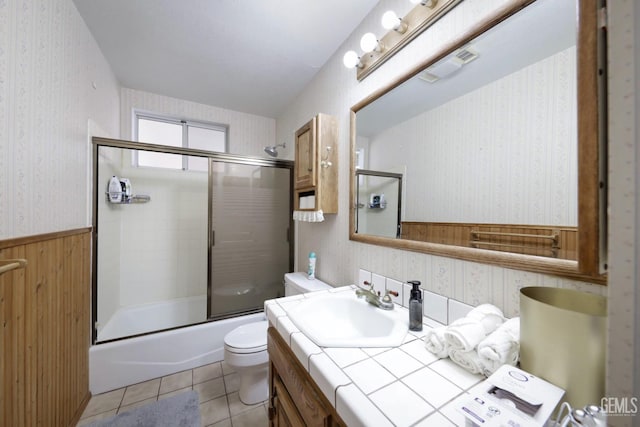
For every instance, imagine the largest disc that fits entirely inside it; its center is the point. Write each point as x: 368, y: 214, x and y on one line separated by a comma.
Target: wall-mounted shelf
x: 135, y: 199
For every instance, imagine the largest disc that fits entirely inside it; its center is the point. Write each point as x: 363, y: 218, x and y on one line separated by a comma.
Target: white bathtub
x: 118, y: 364
x: 156, y: 316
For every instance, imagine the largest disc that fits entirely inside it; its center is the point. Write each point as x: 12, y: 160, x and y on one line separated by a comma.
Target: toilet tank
x: 298, y: 283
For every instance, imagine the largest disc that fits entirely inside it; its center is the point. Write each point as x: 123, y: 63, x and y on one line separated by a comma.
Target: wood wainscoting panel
x: 45, y: 330
x: 520, y: 239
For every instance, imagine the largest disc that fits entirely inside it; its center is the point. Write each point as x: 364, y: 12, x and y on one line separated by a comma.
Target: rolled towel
x: 469, y: 360
x: 502, y: 347
x: 466, y: 333
x: 435, y: 343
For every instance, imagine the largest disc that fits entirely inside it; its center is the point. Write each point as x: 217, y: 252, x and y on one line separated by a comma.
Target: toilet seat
x: 249, y: 338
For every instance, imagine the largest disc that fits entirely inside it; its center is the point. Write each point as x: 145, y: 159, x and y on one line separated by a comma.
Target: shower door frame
x: 213, y: 157
x: 381, y: 174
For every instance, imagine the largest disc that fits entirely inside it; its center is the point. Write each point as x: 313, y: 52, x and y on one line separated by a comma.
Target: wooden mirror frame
x: 591, y: 123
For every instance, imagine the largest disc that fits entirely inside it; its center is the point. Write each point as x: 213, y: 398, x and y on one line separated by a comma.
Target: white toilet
x: 245, y: 348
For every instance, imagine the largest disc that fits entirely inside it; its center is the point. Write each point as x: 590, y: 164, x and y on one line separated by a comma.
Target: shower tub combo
x: 120, y: 363
x: 179, y: 268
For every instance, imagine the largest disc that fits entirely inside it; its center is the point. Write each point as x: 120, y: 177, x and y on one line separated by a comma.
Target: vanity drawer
x: 291, y: 386
x: 285, y: 412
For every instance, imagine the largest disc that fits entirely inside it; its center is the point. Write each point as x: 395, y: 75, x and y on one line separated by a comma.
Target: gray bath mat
x: 181, y: 410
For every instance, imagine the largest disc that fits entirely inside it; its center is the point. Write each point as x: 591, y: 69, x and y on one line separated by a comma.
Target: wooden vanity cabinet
x: 316, y: 164
x: 294, y: 398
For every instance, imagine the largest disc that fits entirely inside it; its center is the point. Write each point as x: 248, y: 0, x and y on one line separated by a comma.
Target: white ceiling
x: 249, y: 56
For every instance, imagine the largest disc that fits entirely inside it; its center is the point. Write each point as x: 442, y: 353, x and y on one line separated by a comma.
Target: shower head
x: 272, y: 149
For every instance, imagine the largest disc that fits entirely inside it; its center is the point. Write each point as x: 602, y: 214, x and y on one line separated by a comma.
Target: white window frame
x: 185, y: 123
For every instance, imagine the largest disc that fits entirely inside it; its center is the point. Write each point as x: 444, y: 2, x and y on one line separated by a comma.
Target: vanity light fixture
x: 351, y: 60
x: 370, y: 43
x: 391, y: 21
x: 400, y: 31
x: 429, y: 3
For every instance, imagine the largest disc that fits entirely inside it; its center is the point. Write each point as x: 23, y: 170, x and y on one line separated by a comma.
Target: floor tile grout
x: 222, y: 373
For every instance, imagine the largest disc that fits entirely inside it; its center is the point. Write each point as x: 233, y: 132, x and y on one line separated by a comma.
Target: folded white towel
x: 500, y: 347
x: 469, y: 360
x: 435, y: 343
x: 466, y: 333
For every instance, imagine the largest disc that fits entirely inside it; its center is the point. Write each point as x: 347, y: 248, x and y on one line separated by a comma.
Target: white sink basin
x: 342, y: 320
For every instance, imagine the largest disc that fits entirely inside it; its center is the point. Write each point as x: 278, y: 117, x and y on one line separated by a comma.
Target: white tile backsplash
x: 435, y: 306
x: 406, y: 294
x: 379, y: 282
x: 394, y: 285
x: 363, y: 276
x: 457, y: 310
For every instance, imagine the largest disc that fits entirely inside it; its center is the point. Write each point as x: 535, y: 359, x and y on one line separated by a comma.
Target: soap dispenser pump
x: 415, y: 306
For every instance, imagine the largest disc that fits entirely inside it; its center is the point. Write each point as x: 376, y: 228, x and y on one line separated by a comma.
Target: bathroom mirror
x: 493, y: 135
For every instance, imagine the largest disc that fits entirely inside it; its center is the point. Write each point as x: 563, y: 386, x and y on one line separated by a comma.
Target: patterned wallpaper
x: 53, y: 79
x: 623, y: 367
x: 335, y: 90
x: 507, y: 159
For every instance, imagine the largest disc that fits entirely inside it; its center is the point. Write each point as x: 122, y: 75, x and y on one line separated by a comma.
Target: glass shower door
x: 151, y: 250
x: 249, y: 236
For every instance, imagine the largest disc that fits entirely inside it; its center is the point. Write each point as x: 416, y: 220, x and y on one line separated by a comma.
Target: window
x: 173, y: 132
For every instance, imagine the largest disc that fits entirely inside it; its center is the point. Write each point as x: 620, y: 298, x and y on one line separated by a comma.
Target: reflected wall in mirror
x: 486, y: 134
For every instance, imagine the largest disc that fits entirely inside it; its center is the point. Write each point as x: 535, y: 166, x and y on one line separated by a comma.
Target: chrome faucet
x: 373, y: 298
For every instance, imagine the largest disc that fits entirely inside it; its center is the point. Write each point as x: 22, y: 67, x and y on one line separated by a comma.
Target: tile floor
x: 217, y: 385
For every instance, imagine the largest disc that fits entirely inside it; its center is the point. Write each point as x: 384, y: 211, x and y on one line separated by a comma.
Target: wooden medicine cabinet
x: 316, y: 165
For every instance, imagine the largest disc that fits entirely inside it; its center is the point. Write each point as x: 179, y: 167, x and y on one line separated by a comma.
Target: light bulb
x: 350, y: 59
x: 391, y: 21
x: 369, y: 42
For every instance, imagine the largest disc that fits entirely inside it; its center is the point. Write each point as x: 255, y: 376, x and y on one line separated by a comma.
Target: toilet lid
x: 248, y: 338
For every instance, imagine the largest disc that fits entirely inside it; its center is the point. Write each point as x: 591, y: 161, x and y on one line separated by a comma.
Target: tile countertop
x: 401, y: 386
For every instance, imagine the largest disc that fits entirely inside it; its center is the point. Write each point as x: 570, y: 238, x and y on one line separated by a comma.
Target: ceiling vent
x: 466, y: 54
